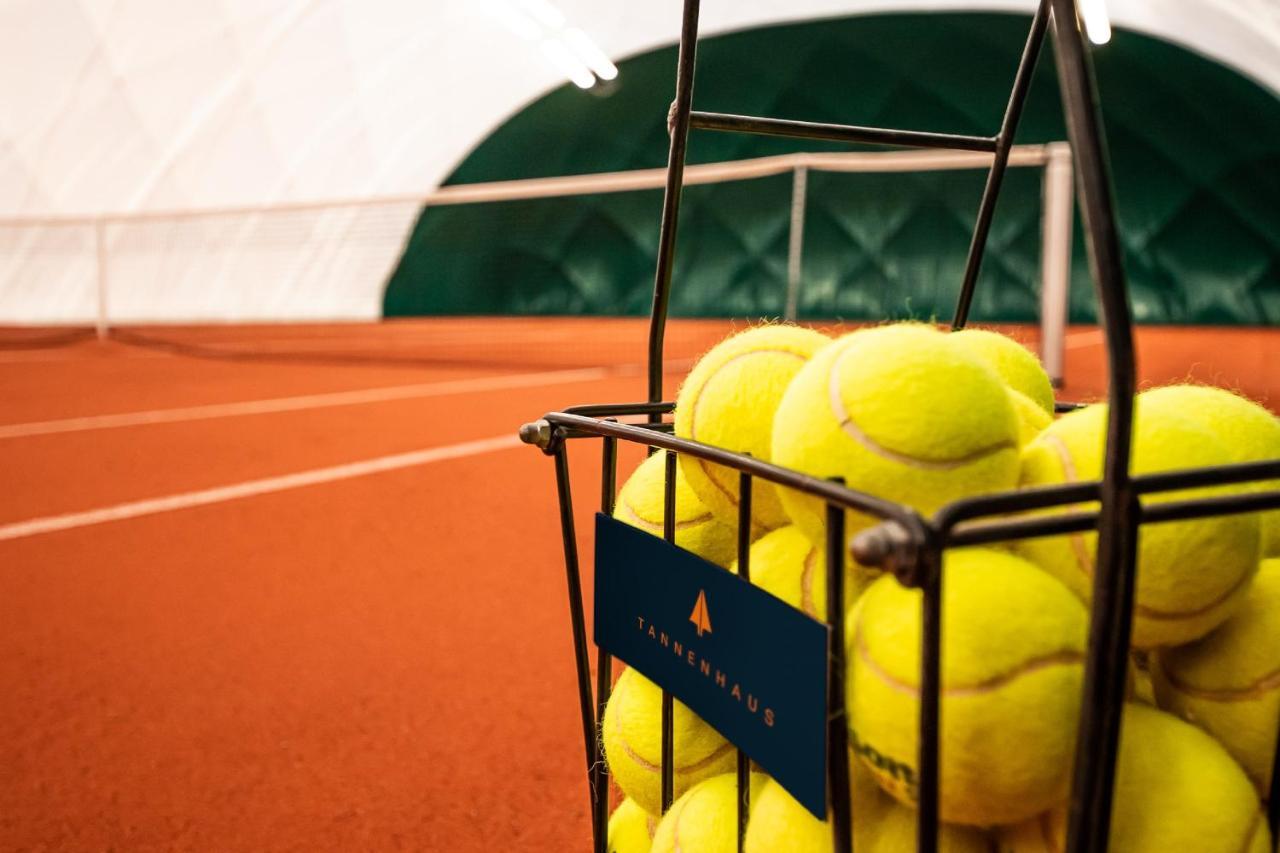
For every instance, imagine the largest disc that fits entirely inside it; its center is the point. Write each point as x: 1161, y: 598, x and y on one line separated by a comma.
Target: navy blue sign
x: 746, y: 662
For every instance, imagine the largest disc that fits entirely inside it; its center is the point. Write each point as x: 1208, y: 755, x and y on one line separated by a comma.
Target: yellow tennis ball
x: 1012, y: 665
x: 728, y: 400
x: 1016, y: 364
x: 633, y: 743
x: 631, y: 828
x: 902, y: 412
x: 1032, y: 420
x: 1228, y: 682
x: 705, y: 819
x: 1191, y: 574
x: 641, y: 504
x: 1175, y: 789
x: 779, y: 823
x: 1249, y: 432
x: 1029, y: 387
x: 786, y: 564
x: 895, y: 832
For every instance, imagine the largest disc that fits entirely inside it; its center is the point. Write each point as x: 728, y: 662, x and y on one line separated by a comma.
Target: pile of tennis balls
x: 923, y: 417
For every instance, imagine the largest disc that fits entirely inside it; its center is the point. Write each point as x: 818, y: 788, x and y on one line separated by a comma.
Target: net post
x: 744, y: 572
x: 100, y: 246
x: 795, y: 245
x: 1055, y: 260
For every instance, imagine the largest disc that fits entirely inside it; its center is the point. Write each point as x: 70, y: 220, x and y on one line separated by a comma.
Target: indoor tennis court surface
x: 310, y: 604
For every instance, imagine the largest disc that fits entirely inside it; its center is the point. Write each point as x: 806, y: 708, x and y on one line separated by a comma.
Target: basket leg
x: 1089, y: 821
x: 995, y: 178
x: 604, y: 663
x: 582, y: 663
x: 679, y: 128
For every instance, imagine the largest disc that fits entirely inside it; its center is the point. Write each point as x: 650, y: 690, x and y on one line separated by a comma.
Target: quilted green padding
x: 1195, y: 150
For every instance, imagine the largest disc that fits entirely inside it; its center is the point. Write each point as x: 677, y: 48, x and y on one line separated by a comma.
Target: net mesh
x: 310, y: 282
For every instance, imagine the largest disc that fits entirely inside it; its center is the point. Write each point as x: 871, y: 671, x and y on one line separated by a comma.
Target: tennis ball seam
x: 706, y: 467
x: 675, y: 820
x: 658, y: 525
x: 1084, y: 561
x: 1257, y: 689
x: 1061, y: 657
x: 851, y: 428
x: 645, y: 764
x: 806, y: 583
x: 697, y: 400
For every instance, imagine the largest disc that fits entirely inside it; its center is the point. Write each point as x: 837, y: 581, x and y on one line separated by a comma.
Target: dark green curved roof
x: 1195, y: 150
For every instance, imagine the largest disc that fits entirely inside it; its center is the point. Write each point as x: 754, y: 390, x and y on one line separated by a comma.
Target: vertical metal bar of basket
x: 1110, y: 621
x: 668, y: 739
x: 578, y: 623
x: 995, y: 177
x: 744, y: 572
x: 930, y: 700
x: 1055, y: 260
x: 679, y: 128
x: 1274, y: 797
x: 795, y: 240
x: 837, y: 722
x: 604, y: 660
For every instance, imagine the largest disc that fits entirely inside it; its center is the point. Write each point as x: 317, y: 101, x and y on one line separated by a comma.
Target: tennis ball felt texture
x: 1228, y: 682
x: 631, y: 828
x: 1032, y: 420
x: 1250, y: 433
x: 1191, y: 574
x: 779, y: 823
x: 899, y: 411
x: 728, y: 400
x: 785, y: 563
x: 1016, y: 364
x: 705, y: 819
x: 1012, y: 664
x: 641, y: 504
x: 1175, y: 790
x: 633, y: 743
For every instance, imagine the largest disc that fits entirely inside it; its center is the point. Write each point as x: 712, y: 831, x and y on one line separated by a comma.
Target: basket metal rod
x: 995, y: 177
x: 1110, y: 623
x: 744, y: 572
x: 841, y: 808
x: 668, y: 737
x: 579, y: 628
x: 604, y: 660
x: 928, y: 779
x: 1273, y: 799
x: 839, y: 132
x: 679, y: 128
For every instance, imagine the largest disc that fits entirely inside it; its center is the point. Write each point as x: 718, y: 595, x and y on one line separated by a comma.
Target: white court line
x: 309, y: 401
x: 185, y: 500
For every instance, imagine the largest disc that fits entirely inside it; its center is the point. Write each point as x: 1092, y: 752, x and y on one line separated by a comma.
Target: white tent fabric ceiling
x: 127, y: 106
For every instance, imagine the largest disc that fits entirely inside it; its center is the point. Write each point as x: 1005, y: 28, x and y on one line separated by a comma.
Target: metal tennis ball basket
x: 903, y: 542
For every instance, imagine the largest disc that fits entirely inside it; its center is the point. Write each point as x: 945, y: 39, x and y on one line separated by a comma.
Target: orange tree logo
x: 701, y: 617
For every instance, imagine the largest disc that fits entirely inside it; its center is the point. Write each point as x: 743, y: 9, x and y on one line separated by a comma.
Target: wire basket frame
x: 904, y: 542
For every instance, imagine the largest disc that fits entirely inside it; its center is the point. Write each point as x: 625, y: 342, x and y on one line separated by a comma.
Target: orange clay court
x: 318, y: 604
